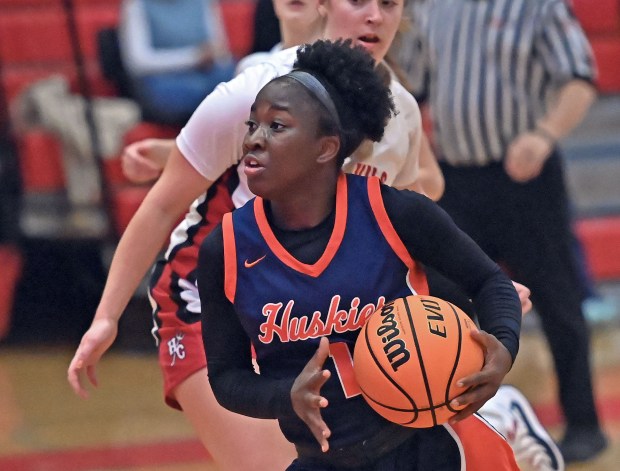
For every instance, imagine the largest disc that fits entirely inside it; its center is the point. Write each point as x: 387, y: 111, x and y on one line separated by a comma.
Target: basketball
x: 409, y: 356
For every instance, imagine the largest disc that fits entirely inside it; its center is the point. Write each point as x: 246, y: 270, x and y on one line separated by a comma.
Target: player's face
x: 281, y: 147
x: 370, y: 23
x: 299, y: 14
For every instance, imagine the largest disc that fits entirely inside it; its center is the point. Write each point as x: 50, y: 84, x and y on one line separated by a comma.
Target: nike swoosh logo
x: 249, y: 264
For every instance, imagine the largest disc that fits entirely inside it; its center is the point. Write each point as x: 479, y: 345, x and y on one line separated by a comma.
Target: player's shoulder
x: 404, y: 101
x: 271, y: 63
x: 251, y: 79
x: 401, y: 94
x: 256, y: 58
x: 251, y: 60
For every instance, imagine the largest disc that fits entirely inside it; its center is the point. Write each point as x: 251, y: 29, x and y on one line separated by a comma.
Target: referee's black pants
x: 527, y: 227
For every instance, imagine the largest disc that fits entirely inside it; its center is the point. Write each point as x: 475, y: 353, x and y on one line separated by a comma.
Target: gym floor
x: 125, y: 425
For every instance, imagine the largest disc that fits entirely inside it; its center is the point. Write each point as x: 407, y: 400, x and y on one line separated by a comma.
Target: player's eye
x: 252, y: 125
x: 276, y: 126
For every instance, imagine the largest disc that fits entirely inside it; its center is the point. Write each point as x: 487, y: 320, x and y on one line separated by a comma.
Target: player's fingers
x: 474, y: 380
x: 321, y: 378
x: 464, y: 413
x: 321, y: 433
x: 526, y: 306
x: 325, y: 433
x: 74, y: 378
x: 322, y: 353
x: 314, y: 421
x: 313, y: 385
x: 91, y: 372
x: 477, y: 394
x: 314, y: 401
x: 524, y: 294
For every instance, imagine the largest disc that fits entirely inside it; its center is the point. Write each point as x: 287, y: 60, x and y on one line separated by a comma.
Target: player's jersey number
x: 340, y: 354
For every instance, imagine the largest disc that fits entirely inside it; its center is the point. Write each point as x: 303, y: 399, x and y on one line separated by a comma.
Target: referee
x: 505, y: 80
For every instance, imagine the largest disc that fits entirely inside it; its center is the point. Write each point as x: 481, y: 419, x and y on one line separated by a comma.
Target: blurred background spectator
x: 175, y: 52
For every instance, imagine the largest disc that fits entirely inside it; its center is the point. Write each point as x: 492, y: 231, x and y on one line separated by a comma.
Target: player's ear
x: 329, y: 148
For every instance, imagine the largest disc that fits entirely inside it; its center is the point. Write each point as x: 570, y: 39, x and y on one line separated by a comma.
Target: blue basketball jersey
x: 286, y: 306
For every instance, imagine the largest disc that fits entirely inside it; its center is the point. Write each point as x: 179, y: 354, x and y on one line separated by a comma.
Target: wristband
x: 546, y: 135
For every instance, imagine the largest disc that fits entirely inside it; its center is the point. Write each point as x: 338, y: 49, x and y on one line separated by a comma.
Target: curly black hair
x: 360, y: 93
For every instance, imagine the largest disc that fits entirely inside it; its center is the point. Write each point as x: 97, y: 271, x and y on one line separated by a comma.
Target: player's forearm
x: 134, y: 256
x: 571, y: 106
x: 430, y: 176
x: 168, y: 199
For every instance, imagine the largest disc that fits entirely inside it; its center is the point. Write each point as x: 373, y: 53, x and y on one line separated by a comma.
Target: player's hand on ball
x: 484, y: 384
x: 306, y: 394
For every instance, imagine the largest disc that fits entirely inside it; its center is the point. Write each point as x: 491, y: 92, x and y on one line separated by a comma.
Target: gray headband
x: 318, y: 90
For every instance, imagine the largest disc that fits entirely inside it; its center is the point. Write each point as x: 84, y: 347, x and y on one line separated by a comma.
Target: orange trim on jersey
x: 230, y: 257
x: 482, y: 447
x: 416, y: 276
x: 335, y: 239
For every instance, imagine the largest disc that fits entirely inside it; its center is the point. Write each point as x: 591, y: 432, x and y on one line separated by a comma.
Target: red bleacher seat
x: 39, y: 3
x: 601, y: 241
x: 91, y: 19
x: 27, y: 3
x: 34, y: 35
x: 127, y: 197
x: 607, y: 53
x: 598, y: 16
x: 16, y: 78
x: 125, y: 202
x: 11, y: 263
x: 144, y: 130
x: 238, y: 18
x: 113, y: 172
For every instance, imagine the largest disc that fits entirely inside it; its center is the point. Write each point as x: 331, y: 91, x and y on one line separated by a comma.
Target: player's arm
x: 174, y: 191
x: 430, y: 177
x: 206, y: 147
x: 235, y: 384
x: 434, y: 239
x: 431, y: 237
x: 144, y: 237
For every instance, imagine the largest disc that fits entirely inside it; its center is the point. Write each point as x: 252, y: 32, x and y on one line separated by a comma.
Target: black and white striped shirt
x: 489, y: 68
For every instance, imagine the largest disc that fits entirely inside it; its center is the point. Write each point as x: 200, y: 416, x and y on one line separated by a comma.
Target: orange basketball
x: 409, y: 356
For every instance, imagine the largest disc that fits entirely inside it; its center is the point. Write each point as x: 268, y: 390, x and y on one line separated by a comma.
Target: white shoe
x: 512, y: 415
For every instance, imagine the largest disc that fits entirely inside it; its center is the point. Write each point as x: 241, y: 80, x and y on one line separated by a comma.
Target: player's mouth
x: 369, y: 39
x: 296, y: 4
x: 251, y: 165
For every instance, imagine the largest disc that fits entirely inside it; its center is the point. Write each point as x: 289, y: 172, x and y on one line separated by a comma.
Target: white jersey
x: 212, y: 139
x: 256, y: 58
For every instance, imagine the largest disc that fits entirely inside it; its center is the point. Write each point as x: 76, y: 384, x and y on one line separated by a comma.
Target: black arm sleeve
x: 433, y: 238
x: 236, y: 385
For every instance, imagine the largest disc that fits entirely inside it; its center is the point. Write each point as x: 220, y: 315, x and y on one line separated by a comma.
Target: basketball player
x: 202, y: 158
x: 290, y: 271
